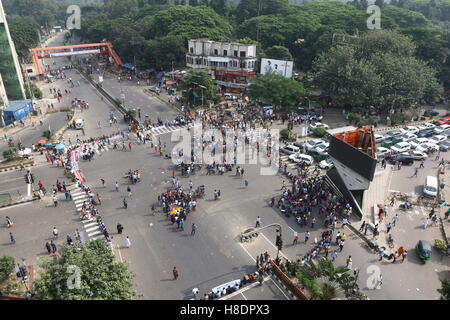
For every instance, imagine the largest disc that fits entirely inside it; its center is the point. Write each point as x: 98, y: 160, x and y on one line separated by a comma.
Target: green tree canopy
x: 279, y: 53
x: 196, y: 79
x: 166, y: 50
x: 377, y: 68
x: 248, y: 9
x: 102, y: 276
x: 405, y: 18
x: 188, y: 22
x: 283, y: 93
x: 24, y: 34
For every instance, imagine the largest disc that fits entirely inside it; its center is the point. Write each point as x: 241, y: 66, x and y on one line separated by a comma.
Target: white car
x: 383, y: 151
x: 290, y: 149
x: 427, y: 125
x: 441, y: 128
x: 311, y: 144
x: 411, y: 129
x: 379, y: 138
x: 416, y: 142
x: 416, y: 155
x: 427, y: 145
x: 318, y: 125
x: 326, y: 164
x: 438, y: 138
x: 401, y: 147
x: 300, y: 157
x: 407, y: 137
x: 322, y: 148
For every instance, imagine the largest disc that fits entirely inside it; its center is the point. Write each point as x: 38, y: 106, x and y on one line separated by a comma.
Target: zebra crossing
x: 291, y: 164
x: 157, y: 131
x: 90, y: 225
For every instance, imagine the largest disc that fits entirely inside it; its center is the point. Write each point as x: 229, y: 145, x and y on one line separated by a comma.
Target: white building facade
x: 208, y: 54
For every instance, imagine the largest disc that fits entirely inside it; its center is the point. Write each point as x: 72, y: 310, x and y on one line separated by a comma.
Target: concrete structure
x: 353, y: 155
x: 231, y: 64
x: 9, y: 63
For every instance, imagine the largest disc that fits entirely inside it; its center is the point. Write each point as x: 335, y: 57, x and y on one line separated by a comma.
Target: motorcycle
x: 405, y: 206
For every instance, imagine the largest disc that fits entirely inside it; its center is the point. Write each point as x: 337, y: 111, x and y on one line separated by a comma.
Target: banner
x: 280, y: 67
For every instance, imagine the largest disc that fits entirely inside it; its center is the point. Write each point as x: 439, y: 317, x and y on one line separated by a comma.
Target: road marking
x: 243, y: 296
x: 120, y: 254
x: 87, y: 220
x: 90, y: 224
x: 247, y: 252
x: 91, y: 229
x: 97, y: 237
x: 94, y: 233
x: 16, y: 205
x: 280, y: 289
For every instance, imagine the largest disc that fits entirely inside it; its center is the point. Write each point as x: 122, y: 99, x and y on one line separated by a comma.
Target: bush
x: 397, y: 118
x: 8, y: 154
x: 132, y: 113
x: 7, y: 265
x: 285, y: 134
x: 319, y: 132
x: 354, y: 117
x: 440, y: 244
x: 46, y: 134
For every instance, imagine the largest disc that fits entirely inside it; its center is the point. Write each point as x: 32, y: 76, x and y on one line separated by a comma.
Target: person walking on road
x: 334, y: 255
x: 394, y: 219
x: 194, y: 229
x: 11, y: 237
x: 388, y: 227
x: 125, y: 203
x: 246, y: 183
x: 127, y: 242
x: 175, y: 273
x: 53, y: 245
x: 129, y: 191
x: 55, y: 233
x: 48, y: 247
x: 307, y: 236
x: 117, y: 187
x: 55, y: 201
x: 416, y: 171
x: 422, y: 162
x: 99, y: 198
x: 295, y: 238
x: 404, y: 254
x: 341, y: 245
x: 103, y: 182
x: 426, y: 221
x: 119, y: 228
x: 258, y: 222
x: 349, y: 263
x: 362, y: 226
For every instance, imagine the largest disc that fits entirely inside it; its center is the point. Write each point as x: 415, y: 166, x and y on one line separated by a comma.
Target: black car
x: 403, y: 159
x: 425, y: 133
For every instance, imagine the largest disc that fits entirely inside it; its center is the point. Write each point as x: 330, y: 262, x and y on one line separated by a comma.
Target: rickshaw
x: 175, y: 210
x: 423, y: 250
x: 199, y: 192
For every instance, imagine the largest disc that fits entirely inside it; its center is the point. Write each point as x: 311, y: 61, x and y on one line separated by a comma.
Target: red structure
x: 233, y: 80
x: 362, y: 139
x: 64, y: 51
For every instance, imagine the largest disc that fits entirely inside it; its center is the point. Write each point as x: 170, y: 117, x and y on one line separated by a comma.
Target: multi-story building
x: 231, y: 64
x: 9, y: 63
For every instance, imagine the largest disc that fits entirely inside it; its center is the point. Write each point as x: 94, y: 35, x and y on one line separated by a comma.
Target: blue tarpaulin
x: 17, y: 110
x: 159, y: 75
x: 128, y: 66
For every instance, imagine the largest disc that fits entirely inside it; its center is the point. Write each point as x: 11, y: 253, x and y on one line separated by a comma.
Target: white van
x: 79, y: 123
x: 431, y: 186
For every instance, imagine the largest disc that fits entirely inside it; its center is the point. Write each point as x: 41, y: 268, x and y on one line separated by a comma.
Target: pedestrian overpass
x: 105, y: 48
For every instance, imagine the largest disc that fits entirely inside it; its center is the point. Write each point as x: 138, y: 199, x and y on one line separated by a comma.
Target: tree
x: 445, y: 290
x: 283, y: 93
x: 247, y: 9
x: 405, y: 18
x: 9, y: 155
x: 278, y: 53
x: 380, y: 3
x: 377, y: 68
x: 101, y: 276
x: 7, y: 265
x: 120, y: 8
x: 166, y: 50
x: 196, y: 79
x: 24, y: 34
x: 188, y: 22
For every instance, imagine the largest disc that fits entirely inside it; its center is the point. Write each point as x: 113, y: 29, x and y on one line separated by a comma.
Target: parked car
x: 301, y: 158
x: 444, y: 145
x: 311, y: 144
x: 318, y: 125
x: 424, y: 147
x: 416, y: 142
x: 301, y: 145
x: 405, y: 160
x: 446, y: 132
x: 425, y: 133
x: 411, y: 129
x: 290, y: 149
x: 155, y: 89
x: 430, y: 113
x: 401, y: 147
x: 426, y: 125
x: 382, y: 151
x: 416, y: 155
x: 394, y: 133
x: 379, y: 138
x: 445, y: 120
x: 326, y: 164
x: 322, y: 148
x: 408, y: 137
x: 441, y: 128
x: 438, y: 138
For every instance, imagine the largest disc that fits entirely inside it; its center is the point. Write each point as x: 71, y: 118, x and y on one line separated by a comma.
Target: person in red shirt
x: 175, y: 273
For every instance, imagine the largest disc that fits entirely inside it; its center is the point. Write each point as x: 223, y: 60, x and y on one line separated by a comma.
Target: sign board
x: 280, y: 67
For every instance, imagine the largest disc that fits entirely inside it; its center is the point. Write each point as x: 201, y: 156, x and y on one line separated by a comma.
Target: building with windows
x: 9, y: 63
x: 231, y: 64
